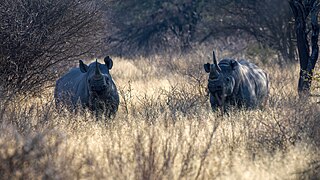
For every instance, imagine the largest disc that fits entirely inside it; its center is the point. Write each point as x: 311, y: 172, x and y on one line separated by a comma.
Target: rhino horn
x: 97, y: 71
x: 215, y: 69
x: 215, y: 61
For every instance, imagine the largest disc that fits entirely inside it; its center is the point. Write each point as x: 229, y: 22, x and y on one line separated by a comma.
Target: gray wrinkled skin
x: 90, y: 86
x: 236, y: 83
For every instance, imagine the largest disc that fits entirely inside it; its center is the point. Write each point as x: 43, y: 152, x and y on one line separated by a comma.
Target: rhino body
x: 236, y: 83
x: 90, y: 86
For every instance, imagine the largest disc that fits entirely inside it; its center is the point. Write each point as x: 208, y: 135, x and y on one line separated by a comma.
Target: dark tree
x: 305, y: 12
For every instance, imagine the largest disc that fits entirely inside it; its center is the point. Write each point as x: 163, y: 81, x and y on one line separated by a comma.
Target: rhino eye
x: 228, y: 79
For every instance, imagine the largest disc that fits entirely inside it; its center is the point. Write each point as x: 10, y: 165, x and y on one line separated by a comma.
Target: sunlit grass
x: 165, y: 130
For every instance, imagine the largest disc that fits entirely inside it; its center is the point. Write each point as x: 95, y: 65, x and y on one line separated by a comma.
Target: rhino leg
x: 213, y: 102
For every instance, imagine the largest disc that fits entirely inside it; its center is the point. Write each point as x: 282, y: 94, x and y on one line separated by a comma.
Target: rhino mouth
x: 98, y: 93
x: 219, y: 97
x: 94, y: 87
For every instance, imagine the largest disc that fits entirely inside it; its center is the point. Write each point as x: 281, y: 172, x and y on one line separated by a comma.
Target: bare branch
x: 39, y: 38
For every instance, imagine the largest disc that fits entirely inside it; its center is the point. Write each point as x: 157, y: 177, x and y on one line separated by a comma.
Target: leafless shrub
x: 184, y: 98
x: 150, y: 107
x: 126, y: 95
x: 29, y: 156
x: 39, y: 38
x: 312, y: 172
x: 295, y: 123
x: 205, y: 152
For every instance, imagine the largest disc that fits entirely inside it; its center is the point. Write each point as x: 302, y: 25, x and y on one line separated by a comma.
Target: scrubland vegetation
x: 165, y: 129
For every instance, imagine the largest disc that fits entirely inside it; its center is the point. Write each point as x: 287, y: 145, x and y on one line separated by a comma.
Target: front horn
x: 97, y: 71
x: 215, y: 61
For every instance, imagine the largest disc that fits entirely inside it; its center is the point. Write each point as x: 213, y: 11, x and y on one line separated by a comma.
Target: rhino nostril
x: 213, y: 78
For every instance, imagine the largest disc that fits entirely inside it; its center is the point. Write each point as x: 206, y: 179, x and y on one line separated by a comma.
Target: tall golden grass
x: 165, y: 129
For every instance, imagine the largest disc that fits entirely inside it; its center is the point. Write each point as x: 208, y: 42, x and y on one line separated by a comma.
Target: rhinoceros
x: 236, y: 83
x: 90, y: 86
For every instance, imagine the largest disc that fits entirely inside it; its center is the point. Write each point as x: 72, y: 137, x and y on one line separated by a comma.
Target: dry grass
x: 164, y: 130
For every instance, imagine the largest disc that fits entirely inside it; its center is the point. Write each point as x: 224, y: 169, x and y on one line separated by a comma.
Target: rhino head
x: 99, y: 82
x: 221, y: 82
x: 98, y: 77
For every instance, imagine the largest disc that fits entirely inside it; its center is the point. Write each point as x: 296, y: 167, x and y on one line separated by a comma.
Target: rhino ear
x: 207, y: 67
x: 108, y: 61
x: 83, y: 67
x: 234, y: 64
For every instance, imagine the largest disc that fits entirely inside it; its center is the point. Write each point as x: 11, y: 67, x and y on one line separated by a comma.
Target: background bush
x: 40, y: 38
x: 150, y: 26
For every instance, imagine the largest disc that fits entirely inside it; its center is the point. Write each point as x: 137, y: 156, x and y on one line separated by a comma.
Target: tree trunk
x: 301, y: 10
